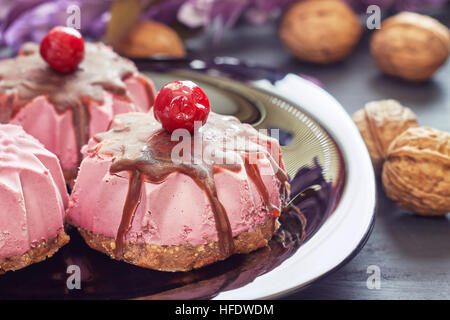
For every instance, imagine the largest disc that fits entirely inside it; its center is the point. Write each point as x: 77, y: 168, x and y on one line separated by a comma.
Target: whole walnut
x: 416, y: 174
x: 410, y: 46
x: 151, y: 39
x: 320, y: 31
x: 380, y: 122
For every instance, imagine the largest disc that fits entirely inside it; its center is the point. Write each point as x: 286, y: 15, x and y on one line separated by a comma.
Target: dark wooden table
x: 413, y: 253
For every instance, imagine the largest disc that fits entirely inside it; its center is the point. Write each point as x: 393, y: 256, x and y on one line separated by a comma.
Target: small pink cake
x: 33, y: 198
x: 63, y: 111
x: 134, y: 203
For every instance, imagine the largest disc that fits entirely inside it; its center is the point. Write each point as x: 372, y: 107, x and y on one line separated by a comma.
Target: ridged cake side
x: 33, y: 197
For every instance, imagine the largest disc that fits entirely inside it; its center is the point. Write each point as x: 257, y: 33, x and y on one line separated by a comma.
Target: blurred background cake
x: 64, y: 109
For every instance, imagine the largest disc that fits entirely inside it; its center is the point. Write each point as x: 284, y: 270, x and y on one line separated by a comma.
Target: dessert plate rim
x: 356, y: 210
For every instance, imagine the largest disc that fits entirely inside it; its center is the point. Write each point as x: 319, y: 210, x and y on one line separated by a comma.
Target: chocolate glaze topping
x: 28, y: 76
x: 140, y: 146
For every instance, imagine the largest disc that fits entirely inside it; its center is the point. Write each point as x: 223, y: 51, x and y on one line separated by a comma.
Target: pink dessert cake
x: 33, y: 198
x: 64, y: 110
x: 134, y: 203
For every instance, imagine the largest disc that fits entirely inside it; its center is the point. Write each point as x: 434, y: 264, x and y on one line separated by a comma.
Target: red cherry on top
x: 63, y: 49
x: 179, y: 104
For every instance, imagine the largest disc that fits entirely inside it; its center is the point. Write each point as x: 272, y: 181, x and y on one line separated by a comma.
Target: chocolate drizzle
x: 254, y: 174
x: 131, y: 203
x: 28, y: 76
x: 140, y: 146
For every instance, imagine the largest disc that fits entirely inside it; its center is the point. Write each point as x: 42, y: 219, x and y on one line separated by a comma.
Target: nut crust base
x: 183, y: 257
x: 37, y: 254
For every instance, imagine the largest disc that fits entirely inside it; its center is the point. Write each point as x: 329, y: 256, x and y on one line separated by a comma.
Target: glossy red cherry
x: 179, y: 104
x: 63, y: 49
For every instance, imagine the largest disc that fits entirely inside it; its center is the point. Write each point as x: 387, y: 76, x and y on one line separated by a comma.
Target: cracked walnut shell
x: 380, y: 122
x: 416, y: 174
x: 410, y: 46
x: 320, y: 31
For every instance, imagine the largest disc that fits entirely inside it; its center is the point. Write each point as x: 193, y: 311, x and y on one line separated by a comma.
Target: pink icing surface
x: 171, y: 213
x: 33, y: 194
x: 56, y: 131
